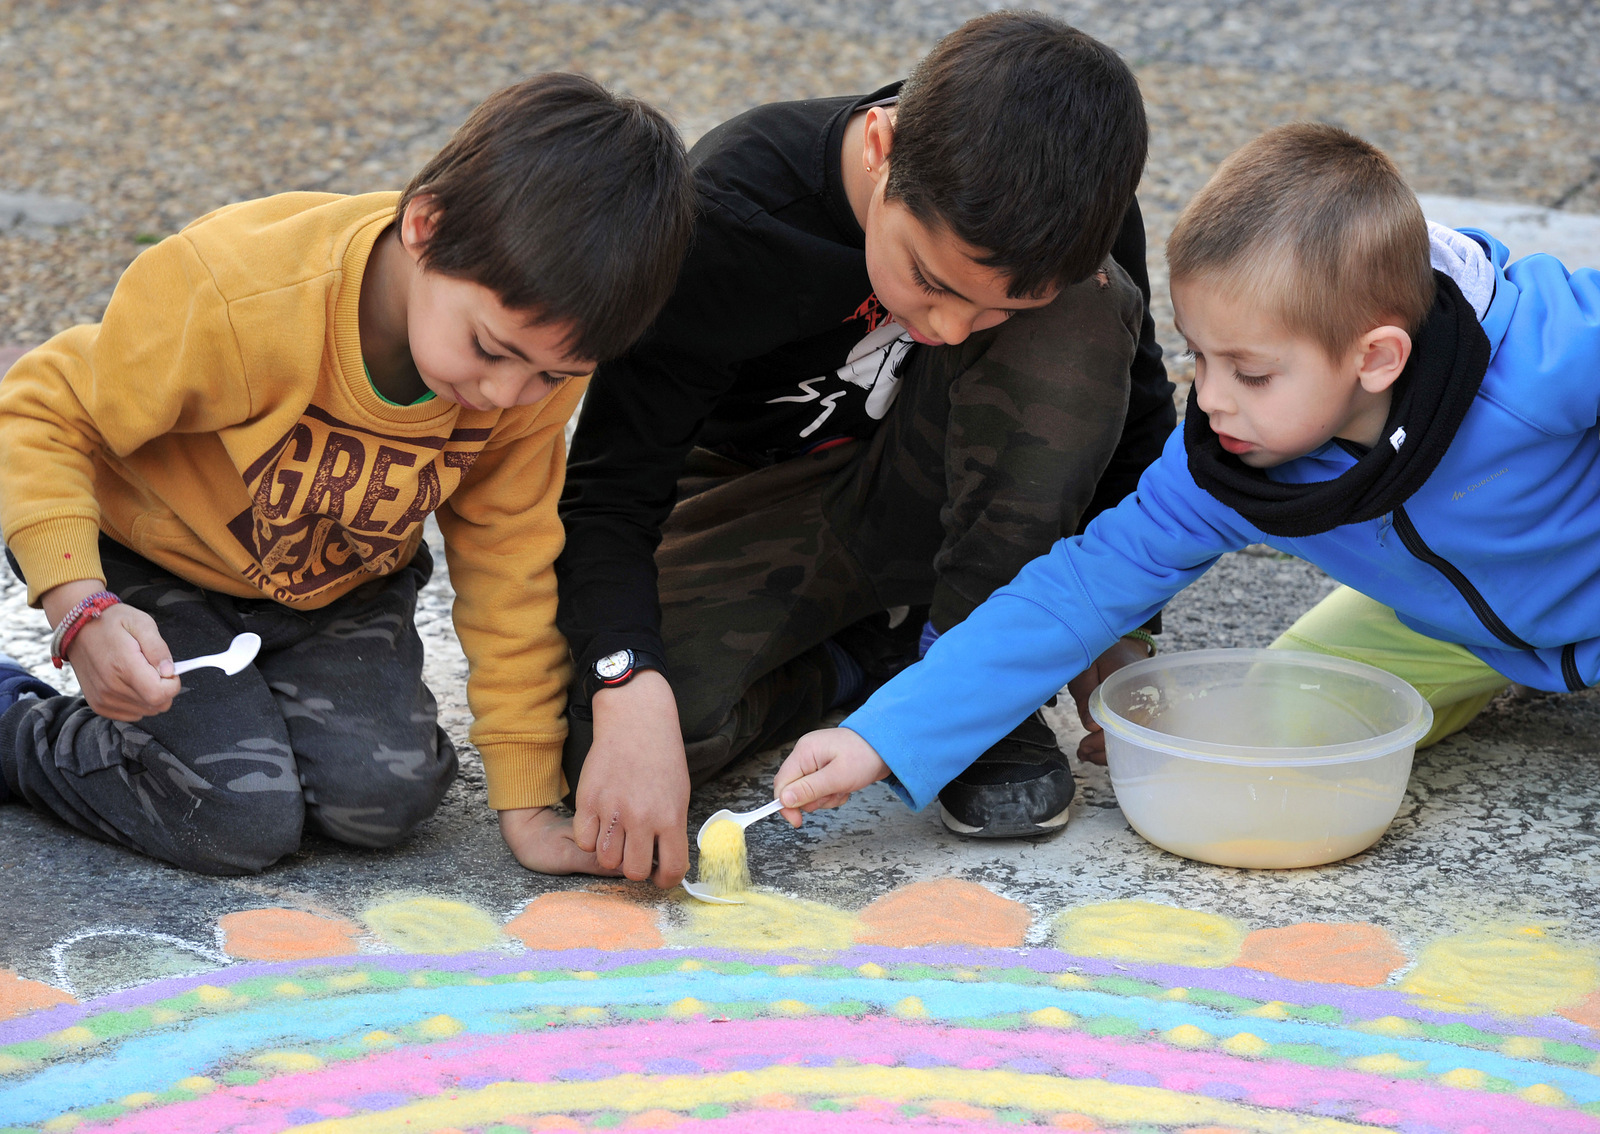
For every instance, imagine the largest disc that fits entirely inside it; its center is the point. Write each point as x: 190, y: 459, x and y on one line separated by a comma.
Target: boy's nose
x: 1207, y: 396
x: 501, y: 391
x: 950, y: 326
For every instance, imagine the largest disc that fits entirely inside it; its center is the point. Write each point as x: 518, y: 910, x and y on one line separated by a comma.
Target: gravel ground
x: 147, y: 115
x: 151, y: 114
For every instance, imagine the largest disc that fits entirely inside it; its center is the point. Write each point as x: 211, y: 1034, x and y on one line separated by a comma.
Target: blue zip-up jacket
x: 1499, y: 550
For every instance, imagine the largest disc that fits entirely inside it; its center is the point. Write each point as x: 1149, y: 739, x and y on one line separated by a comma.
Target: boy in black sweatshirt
x: 910, y: 349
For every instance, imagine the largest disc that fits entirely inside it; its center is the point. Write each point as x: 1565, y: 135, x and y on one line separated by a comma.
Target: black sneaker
x: 1020, y: 787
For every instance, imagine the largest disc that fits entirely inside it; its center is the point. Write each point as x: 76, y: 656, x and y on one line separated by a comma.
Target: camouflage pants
x: 989, y: 455
x: 330, y: 728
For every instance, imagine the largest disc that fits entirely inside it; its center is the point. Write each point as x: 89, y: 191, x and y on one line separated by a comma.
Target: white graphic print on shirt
x: 873, y: 364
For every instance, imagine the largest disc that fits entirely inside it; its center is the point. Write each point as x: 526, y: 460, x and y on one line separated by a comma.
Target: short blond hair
x: 1316, y: 225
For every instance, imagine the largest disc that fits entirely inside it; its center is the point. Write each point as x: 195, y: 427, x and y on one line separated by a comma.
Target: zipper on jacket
x: 1480, y: 606
x: 1569, y: 668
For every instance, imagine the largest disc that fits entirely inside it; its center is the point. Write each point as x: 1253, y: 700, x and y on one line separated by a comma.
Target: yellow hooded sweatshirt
x: 219, y: 422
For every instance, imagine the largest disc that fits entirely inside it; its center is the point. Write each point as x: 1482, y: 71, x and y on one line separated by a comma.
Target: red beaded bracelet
x: 92, y: 607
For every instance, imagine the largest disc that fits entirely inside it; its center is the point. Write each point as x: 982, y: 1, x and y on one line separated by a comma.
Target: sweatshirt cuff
x: 65, y: 549
x: 907, y: 779
x: 522, y: 773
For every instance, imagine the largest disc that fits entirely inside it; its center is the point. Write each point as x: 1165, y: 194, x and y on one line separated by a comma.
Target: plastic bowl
x: 1262, y: 758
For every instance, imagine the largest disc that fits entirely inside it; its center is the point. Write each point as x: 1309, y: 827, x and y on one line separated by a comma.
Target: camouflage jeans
x: 330, y: 728
x: 989, y: 455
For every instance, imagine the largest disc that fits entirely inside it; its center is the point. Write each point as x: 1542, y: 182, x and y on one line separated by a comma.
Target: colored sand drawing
x: 1143, y: 931
x: 588, y: 1010
x: 1511, y: 970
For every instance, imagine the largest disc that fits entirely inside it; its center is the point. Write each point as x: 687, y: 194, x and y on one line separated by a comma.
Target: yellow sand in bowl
x: 724, y: 864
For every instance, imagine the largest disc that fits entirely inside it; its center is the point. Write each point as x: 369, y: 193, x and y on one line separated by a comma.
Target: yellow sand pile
x: 724, y: 863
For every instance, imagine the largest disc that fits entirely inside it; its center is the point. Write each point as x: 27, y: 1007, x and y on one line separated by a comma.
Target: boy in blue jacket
x: 1379, y: 396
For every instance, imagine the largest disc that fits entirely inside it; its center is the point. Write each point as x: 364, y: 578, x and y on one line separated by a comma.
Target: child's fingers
x: 638, y: 854
x: 1092, y: 748
x: 144, y: 630
x: 807, y: 757
x: 154, y: 683
x: 612, y: 839
x: 542, y: 841
x: 586, y: 828
x: 136, y: 683
x: 830, y: 780
x: 672, y: 859
x: 793, y: 768
x: 823, y: 770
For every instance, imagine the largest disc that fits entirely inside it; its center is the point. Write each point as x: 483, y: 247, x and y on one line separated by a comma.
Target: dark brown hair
x: 569, y: 203
x: 1313, y: 224
x: 1025, y: 138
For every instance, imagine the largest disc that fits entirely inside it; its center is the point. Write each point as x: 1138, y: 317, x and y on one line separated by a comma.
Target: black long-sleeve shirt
x: 745, y: 359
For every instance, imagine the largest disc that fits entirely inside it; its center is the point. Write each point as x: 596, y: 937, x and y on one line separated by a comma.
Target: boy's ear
x: 420, y: 222
x: 877, y: 141
x: 1382, y: 356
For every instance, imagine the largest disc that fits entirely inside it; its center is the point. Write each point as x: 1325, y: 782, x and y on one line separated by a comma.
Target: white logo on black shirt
x: 873, y: 364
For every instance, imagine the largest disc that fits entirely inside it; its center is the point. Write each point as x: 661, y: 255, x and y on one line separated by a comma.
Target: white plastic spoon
x: 696, y: 890
x: 744, y: 819
x: 240, y: 653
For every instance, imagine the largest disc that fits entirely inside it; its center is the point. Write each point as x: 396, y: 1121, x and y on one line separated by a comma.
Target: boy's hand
x: 633, y: 796
x: 120, y: 659
x: 824, y: 768
x: 541, y: 838
x: 1124, y: 651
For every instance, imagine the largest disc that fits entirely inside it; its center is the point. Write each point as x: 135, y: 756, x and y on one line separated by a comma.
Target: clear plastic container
x: 1262, y: 758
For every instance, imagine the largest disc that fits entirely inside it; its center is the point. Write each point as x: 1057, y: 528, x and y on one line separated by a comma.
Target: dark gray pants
x: 990, y: 454
x: 330, y: 728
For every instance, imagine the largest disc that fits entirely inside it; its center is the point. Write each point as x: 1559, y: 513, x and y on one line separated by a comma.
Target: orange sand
x: 946, y: 912
x: 575, y: 919
x: 1358, y: 954
x: 286, y: 935
x: 1585, y: 1011
x: 19, y: 997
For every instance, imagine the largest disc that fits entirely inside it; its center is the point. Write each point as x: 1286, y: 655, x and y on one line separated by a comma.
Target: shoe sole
x: 1045, y: 827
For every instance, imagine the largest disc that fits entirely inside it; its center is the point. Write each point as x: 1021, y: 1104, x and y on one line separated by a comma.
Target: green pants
x: 1451, y: 678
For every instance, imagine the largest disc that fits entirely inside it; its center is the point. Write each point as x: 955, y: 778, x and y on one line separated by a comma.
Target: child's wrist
x: 59, y: 600
x: 82, y: 614
x: 1143, y: 636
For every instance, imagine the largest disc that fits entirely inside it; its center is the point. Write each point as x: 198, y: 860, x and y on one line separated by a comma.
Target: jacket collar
x: 1497, y: 319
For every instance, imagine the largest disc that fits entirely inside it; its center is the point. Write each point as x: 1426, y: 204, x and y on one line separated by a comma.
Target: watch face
x: 614, y: 665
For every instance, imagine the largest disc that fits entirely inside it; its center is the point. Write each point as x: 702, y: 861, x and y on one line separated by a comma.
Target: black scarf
x: 1431, y: 397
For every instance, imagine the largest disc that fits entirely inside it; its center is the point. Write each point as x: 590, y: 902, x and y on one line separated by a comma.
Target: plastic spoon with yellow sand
x: 724, y: 863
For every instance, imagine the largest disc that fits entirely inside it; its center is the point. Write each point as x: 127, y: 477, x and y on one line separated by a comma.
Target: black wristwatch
x: 618, y: 669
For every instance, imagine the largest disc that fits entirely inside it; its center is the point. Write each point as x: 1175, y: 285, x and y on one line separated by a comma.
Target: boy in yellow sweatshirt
x: 250, y: 441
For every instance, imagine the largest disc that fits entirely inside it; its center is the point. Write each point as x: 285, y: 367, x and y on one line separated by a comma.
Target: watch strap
x: 642, y: 660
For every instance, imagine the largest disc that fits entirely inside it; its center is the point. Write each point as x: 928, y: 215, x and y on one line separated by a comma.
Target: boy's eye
x: 918, y: 278
x: 483, y: 354
x: 1252, y: 380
